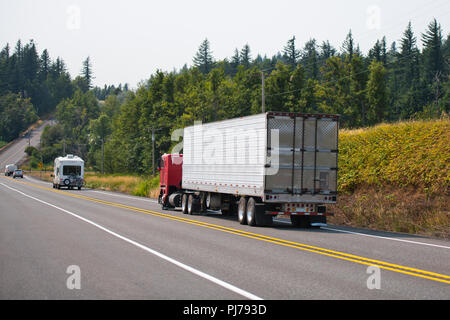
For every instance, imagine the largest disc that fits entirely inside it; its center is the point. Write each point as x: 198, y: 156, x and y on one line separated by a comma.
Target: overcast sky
x: 128, y: 40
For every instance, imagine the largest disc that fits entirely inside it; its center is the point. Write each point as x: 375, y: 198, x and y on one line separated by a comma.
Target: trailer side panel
x: 226, y: 156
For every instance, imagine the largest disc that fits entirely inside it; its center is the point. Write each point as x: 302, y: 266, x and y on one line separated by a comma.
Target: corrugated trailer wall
x: 226, y: 156
x: 290, y: 154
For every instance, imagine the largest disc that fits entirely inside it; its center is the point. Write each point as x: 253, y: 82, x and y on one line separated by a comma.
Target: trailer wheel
x: 184, y: 201
x: 191, y: 205
x: 242, y: 211
x: 251, y: 212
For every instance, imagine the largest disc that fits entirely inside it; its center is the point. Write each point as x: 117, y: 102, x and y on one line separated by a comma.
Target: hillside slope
x: 396, y: 177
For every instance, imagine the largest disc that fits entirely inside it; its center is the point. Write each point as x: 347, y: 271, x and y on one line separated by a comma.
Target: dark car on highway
x: 18, y: 173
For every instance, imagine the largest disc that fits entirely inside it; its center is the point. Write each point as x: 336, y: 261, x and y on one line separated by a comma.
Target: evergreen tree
x: 45, y: 65
x: 383, y: 51
x: 245, y: 56
x: 326, y: 51
x: 290, y: 52
x: 348, y: 47
x: 310, y: 59
x: 203, y: 59
x: 410, y: 97
x: 86, y: 72
x: 17, y: 63
x: 235, y: 61
x: 30, y: 61
x: 376, y: 93
x: 433, y: 68
x: 375, y: 52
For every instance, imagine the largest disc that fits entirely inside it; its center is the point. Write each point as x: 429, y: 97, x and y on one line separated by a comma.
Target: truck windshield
x: 69, y: 170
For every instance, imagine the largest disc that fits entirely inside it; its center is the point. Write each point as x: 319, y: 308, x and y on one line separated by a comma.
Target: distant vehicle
x: 257, y: 167
x: 9, y: 169
x: 18, y: 173
x: 68, y: 172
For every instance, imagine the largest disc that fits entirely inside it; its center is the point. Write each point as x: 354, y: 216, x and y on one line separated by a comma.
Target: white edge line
x: 156, y: 253
x: 374, y: 236
x: 388, y: 238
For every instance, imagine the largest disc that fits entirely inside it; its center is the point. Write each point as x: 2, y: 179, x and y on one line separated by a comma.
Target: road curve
x: 16, y: 152
x: 128, y: 248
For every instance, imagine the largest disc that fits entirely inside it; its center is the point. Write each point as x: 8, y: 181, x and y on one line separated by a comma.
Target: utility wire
x: 348, y: 76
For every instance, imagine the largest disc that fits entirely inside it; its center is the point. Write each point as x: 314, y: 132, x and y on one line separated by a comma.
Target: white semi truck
x: 68, y: 172
x: 259, y: 166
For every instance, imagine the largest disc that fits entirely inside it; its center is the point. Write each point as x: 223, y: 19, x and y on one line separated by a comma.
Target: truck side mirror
x: 159, y: 164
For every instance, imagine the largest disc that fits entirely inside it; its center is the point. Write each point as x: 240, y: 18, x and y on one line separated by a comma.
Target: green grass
x: 143, y: 186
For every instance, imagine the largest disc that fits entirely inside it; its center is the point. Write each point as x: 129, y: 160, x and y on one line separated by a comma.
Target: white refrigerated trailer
x: 259, y: 166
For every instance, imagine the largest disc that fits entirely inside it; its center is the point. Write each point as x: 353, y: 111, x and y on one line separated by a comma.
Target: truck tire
x: 184, y: 201
x: 256, y: 215
x: 242, y: 211
x: 192, y: 205
x: 251, y: 212
x: 300, y: 221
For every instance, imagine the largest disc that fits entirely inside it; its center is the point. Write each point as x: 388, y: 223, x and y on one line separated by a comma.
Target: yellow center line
x: 335, y: 254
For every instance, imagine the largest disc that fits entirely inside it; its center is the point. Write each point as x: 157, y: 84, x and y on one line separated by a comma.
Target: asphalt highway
x: 126, y: 247
x: 16, y: 152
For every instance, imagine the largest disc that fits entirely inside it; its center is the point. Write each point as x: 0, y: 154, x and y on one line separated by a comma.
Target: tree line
x: 32, y: 85
x: 389, y: 83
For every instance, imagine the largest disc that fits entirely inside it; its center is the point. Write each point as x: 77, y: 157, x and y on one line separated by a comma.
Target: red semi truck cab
x: 170, y: 167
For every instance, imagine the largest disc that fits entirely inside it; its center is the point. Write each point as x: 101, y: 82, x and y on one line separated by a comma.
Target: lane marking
x: 277, y: 220
x: 375, y: 236
x: 336, y: 254
x: 387, y: 238
x: 197, y: 272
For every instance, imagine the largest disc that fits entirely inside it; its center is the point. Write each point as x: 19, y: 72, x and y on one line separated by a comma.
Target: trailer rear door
x: 307, y: 153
